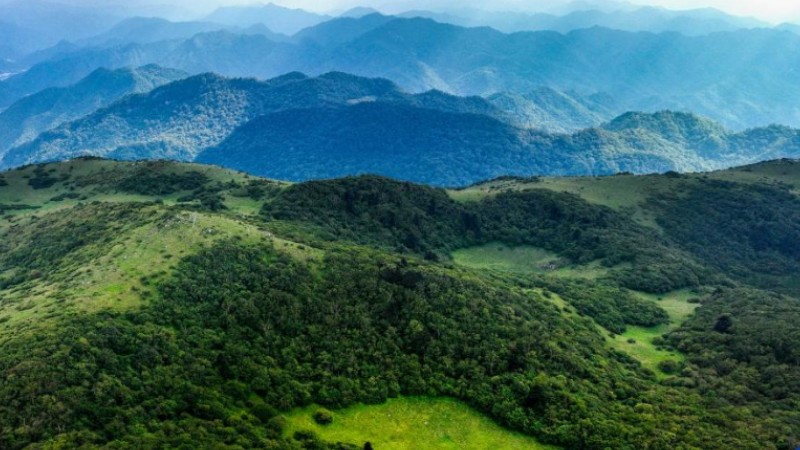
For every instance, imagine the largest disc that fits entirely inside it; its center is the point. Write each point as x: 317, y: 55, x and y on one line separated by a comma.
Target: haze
x: 775, y: 11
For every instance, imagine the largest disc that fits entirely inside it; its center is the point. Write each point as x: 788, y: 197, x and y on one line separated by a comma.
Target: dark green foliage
x: 744, y: 349
x: 66, y: 196
x: 669, y: 366
x: 257, y: 189
x: 4, y: 208
x: 610, y: 306
x: 323, y: 417
x: 3, y: 182
x: 378, y: 211
x: 43, y: 178
x: 751, y: 232
x: 151, y: 180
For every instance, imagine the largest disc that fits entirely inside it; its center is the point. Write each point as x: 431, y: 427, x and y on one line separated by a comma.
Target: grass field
x: 638, y: 341
x: 413, y: 423
x: 522, y: 260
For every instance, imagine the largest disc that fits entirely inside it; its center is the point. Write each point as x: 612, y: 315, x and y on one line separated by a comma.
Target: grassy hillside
x: 153, y: 305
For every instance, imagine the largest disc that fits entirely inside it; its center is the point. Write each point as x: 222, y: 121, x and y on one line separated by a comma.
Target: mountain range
x: 181, y: 119
x: 695, y: 22
x: 741, y: 78
x: 32, y: 115
x: 297, y: 128
x: 276, y: 18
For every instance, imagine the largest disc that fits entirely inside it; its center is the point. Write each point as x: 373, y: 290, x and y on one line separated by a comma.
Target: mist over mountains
x: 741, y: 78
x: 529, y: 77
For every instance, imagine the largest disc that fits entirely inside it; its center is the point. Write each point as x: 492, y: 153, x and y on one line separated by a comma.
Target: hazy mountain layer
x: 299, y: 128
x: 27, y: 118
x: 181, y: 119
x: 695, y: 22
x: 741, y: 78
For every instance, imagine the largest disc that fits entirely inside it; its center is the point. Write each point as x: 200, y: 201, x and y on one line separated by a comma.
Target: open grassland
x: 413, y: 423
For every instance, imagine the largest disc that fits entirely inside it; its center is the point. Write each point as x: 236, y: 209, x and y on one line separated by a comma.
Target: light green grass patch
x: 638, y: 341
x: 419, y: 423
x: 523, y: 260
x: 497, y: 256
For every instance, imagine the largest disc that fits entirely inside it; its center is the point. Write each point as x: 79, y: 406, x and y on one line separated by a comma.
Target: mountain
x: 556, y: 112
x: 276, y: 18
x: 452, y: 149
x: 27, y: 118
x: 358, y: 12
x: 298, y: 128
x: 146, y: 30
x: 640, y: 71
x: 385, y: 130
x: 209, y: 307
x: 181, y: 119
x: 794, y: 28
x: 696, y: 22
x: 340, y: 31
x: 67, y: 69
x: 750, y: 84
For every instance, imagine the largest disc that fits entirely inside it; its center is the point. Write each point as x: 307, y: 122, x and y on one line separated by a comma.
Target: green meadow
x: 413, y: 423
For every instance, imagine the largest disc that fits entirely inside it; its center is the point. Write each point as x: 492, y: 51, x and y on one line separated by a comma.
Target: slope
x: 27, y: 118
x: 179, y: 120
x: 452, y: 149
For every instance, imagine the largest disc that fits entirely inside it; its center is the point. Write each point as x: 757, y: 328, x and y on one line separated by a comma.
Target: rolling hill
x: 158, y: 304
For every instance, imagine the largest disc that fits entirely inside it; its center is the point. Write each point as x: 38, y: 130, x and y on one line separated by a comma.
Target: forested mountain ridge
x: 299, y: 128
x: 179, y: 120
x: 26, y: 119
x: 145, y: 298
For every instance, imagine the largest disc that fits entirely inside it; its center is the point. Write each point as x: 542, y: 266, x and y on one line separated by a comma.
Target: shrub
x: 669, y: 366
x: 323, y: 417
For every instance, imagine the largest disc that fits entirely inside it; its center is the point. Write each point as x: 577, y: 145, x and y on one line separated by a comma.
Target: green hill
x: 166, y: 305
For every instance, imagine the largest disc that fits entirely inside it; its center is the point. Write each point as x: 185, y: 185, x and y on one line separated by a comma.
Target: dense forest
x: 235, y: 299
